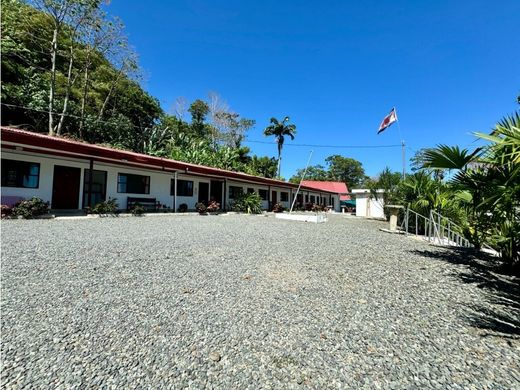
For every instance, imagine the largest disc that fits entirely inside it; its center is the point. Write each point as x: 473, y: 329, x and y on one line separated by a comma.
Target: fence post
x: 416, y: 227
x: 429, y: 226
x: 407, y: 216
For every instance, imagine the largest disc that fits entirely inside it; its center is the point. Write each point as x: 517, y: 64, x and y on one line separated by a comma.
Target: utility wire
x: 59, y: 114
x: 330, y: 146
x: 245, y: 141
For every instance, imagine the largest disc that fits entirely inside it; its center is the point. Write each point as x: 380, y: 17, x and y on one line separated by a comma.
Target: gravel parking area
x: 237, y: 301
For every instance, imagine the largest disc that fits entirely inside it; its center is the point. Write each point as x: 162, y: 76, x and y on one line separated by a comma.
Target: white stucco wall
x: 44, y: 190
x: 159, y: 182
x: 367, y: 206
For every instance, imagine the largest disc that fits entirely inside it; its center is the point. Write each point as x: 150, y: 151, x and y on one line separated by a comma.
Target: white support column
x: 175, y: 192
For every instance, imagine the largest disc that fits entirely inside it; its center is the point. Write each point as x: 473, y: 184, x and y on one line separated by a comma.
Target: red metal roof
x: 67, y: 147
x: 332, y: 186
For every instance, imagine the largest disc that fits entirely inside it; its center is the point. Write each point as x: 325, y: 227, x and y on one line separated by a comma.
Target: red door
x: 65, y: 187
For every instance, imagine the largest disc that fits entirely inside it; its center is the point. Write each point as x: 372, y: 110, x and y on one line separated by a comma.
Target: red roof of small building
x: 331, y: 186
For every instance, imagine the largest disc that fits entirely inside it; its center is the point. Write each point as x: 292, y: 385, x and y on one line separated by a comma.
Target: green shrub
x: 137, y: 210
x: 109, y: 206
x: 30, y: 208
x: 248, y: 203
x: 183, y: 207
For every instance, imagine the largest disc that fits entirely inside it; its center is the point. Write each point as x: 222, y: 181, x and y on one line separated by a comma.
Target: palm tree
x: 469, y: 183
x: 487, y: 182
x: 280, y: 130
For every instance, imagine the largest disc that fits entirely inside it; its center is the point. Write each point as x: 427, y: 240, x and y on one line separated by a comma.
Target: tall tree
x: 67, y: 17
x: 262, y: 166
x: 314, y: 172
x: 279, y: 130
x: 232, y: 128
x: 102, y: 38
x: 345, y: 169
x: 199, y: 110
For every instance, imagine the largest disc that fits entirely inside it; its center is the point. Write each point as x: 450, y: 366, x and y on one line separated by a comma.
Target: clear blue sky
x: 336, y: 68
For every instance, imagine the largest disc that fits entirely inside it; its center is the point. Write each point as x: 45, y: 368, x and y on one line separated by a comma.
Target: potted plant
x: 6, y: 211
x: 317, y: 208
x: 278, y: 208
x: 201, y: 208
x: 138, y: 210
x: 213, y: 207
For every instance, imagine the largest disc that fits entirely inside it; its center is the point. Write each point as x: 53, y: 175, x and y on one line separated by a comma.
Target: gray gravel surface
x: 240, y: 301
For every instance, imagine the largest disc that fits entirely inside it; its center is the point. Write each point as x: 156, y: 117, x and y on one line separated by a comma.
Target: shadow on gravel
x: 502, y: 312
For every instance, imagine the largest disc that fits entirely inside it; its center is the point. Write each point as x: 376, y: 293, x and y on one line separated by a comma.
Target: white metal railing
x: 437, y: 229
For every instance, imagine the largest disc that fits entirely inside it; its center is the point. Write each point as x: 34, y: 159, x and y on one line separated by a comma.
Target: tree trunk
x: 107, y: 98
x: 279, y: 158
x: 84, y: 96
x: 54, y: 49
x: 70, y: 82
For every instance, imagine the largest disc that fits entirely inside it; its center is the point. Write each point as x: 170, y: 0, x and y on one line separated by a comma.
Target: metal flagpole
x: 403, y: 149
x: 404, y: 159
x: 299, y: 186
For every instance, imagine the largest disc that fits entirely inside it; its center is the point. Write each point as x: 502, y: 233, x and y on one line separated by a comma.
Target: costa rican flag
x: 389, y: 119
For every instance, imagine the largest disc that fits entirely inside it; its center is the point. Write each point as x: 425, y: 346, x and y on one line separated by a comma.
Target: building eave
x: 59, y: 146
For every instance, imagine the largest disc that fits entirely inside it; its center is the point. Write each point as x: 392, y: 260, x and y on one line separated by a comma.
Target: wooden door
x: 216, y: 191
x: 203, y: 192
x: 65, y: 187
x: 274, y: 198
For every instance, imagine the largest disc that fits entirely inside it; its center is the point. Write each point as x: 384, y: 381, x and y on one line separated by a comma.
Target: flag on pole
x: 389, y: 119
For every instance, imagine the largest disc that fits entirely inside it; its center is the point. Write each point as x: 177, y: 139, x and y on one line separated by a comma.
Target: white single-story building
x: 367, y: 205
x: 73, y: 175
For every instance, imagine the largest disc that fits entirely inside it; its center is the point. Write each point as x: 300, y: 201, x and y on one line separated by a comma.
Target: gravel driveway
x: 237, y: 301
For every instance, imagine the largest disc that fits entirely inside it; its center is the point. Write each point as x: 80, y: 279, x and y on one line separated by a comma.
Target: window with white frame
x: 133, y: 184
x: 184, y: 187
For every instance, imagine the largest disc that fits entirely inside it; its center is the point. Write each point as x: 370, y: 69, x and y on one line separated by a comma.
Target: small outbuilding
x: 369, y: 205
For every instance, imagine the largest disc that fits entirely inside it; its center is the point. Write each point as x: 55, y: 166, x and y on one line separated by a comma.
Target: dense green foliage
x: 96, y: 94
x: 486, y: 185
x: 339, y: 168
x: 314, y: 172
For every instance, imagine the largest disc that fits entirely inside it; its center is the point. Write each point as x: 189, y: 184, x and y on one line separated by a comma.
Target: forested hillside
x: 68, y: 70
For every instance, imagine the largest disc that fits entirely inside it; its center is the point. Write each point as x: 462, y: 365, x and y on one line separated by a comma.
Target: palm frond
x: 505, y: 138
x: 448, y: 157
